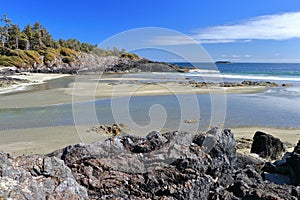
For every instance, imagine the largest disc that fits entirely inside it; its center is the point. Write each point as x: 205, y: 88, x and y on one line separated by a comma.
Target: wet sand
x: 37, y: 140
x: 90, y: 89
x: 32, y: 78
x: 110, y: 90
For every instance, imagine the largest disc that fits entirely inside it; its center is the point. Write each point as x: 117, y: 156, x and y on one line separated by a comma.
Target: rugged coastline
x: 172, y: 165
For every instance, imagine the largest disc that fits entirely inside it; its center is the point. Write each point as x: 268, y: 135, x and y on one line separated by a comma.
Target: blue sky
x: 240, y: 31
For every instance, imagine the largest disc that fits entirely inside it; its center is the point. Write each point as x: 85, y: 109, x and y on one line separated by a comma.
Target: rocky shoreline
x: 8, y: 81
x: 173, y: 165
x: 235, y: 84
x: 89, y: 63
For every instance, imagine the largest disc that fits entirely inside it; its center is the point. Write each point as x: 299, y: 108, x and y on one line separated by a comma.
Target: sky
x: 239, y: 31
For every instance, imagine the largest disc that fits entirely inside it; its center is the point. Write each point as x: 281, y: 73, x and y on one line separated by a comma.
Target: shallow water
x: 242, y: 110
x: 277, y: 107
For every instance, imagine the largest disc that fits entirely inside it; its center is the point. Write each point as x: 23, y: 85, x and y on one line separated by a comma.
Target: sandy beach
x: 109, y: 87
x: 110, y: 90
x: 32, y: 78
x: 47, y: 139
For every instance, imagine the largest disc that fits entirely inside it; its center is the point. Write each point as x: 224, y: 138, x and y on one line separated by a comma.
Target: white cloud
x: 268, y: 27
x: 240, y: 56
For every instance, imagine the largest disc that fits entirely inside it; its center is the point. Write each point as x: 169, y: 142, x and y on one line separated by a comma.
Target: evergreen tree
x: 13, y: 36
x: 36, y: 43
x: 29, y: 35
x: 38, y: 38
x: 4, y: 30
x: 3, y: 35
x: 46, y: 38
x: 24, y: 43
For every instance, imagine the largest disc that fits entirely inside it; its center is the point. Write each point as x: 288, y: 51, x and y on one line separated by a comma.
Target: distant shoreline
x: 122, y: 86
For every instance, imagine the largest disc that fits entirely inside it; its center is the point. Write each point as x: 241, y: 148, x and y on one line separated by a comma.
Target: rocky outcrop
x: 249, y: 184
x: 233, y: 84
x: 113, y: 130
x: 7, y: 81
x: 267, y: 146
x: 293, y: 164
x: 87, y: 63
x: 37, y: 177
x: 173, y: 165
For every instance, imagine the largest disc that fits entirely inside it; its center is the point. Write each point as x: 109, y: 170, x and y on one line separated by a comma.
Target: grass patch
x: 49, y: 54
x: 68, y: 52
x: 33, y: 56
x: 9, y: 61
x: 131, y: 56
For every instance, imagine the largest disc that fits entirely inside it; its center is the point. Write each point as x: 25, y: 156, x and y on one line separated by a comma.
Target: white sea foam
x: 200, y: 71
x: 293, y: 89
x: 238, y: 76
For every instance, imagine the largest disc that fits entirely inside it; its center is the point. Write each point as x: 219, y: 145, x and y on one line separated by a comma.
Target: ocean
x: 248, y: 71
x: 277, y: 107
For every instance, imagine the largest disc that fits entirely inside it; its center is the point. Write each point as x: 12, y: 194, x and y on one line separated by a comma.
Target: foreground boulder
x: 172, y: 165
x: 267, y: 146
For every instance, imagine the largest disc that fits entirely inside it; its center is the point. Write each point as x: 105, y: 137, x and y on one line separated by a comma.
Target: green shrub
x: 68, y: 52
x: 11, y: 61
x: 49, y: 54
x: 131, y: 56
x: 33, y: 56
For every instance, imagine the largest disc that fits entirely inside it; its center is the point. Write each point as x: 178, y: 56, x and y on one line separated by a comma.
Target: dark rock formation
x: 7, y: 81
x: 232, y: 84
x: 293, y: 163
x: 243, y: 160
x: 113, y: 130
x: 37, y: 177
x: 173, y: 165
x: 287, y: 168
x: 259, y: 83
x: 297, y: 148
x: 286, y: 85
x: 267, y: 146
x: 250, y: 185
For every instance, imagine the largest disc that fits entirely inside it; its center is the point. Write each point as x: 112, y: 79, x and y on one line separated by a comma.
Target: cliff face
x: 65, y: 60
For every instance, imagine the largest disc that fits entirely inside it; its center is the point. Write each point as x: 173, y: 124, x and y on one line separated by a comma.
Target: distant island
x: 223, y: 62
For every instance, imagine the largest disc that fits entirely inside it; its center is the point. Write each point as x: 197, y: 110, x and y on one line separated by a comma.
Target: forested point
x: 34, y: 45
